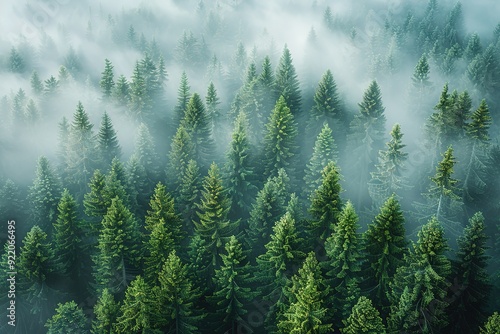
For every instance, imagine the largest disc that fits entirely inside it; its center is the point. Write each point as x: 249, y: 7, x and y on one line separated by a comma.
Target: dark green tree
x: 280, y: 139
x: 189, y: 193
x: 121, y: 93
x: 467, y: 311
x: 44, y: 194
x: 183, y: 96
x: 286, y: 83
x: 107, y: 82
x: 324, y: 151
x: 473, y: 47
x: 145, y: 151
x: 214, y: 114
x: 197, y: 124
x: 239, y: 169
x: 389, y: 177
x: 364, y: 318
x: 107, y: 143
x: 105, y: 311
x: 140, y: 101
x: 69, y: 318
x: 343, y: 265
x: 385, y: 247
x: 181, y: 152
x: 12, y: 205
x: 232, y: 289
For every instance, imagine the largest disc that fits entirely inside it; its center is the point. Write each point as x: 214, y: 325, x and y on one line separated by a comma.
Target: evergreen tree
x: 197, y: 125
x: 367, y: 138
x: 307, y: 312
x: 269, y: 206
x: 31, y: 113
x: 145, y: 150
x: 178, y: 294
x: 181, y: 152
x: 36, y: 84
x: 326, y: 205
x: 213, y: 227
x: 67, y: 242
x: 364, y: 318
x: 343, y: 264
x: 106, y: 311
x: 107, y: 83
x: 327, y: 108
x: 420, y: 286
x: 212, y: 102
x: 51, y: 86
x: 385, y: 248
x: 95, y: 201
x: 183, y: 96
x: 279, y: 140
x: 140, y: 101
x: 118, y: 248
x: 324, y: 151
x: 232, y: 292
x: 239, y: 169
x: 158, y: 246
x: 473, y: 47
x: 81, y: 152
x: 16, y: 62
x: 189, y: 193
x: 491, y: 326
x: 107, y: 143
x: 121, y: 93
x: 389, y: 176
x: 69, y: 318
x: 266, y: 87
x: 286, y: 84
x: 467, y: 311
x: 11, y: 201
x: 44, y: 194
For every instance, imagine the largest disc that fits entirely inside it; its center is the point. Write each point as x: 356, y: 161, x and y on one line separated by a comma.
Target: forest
x: 242, y: 166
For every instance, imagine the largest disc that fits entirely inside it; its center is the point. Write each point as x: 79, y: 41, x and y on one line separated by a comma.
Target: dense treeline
x: 266, y: 202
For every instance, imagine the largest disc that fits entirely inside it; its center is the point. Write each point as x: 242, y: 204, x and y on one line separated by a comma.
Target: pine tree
x: 189, y: 193
x: 367, y: 138
x: 467, y: 311
x: 44, y: 194
x: 328, y: 19
x: 364, y: 318
x: 212, y: 102
x: 473, y: 47
x: 106, y: 311
x: 269, y: 206
x: 389, y: 177
x: 63, y: 76
x: 140, y: 103
x: 385, y: 247
x: 343, y: 264
x: 306, y: 312
x: 276, y: 266
x: 118, y: 248
x: 197, y: 125
x: 95, y: 202
x: 266, y: 87
x: 178, y: 294
x: 51, y: 86
x: 69, y: 318
x: 327, y: 108
x: 324, y: 151
x: 67, y: 242
x: 145, y: 150
x: 183, y: 96
x: 232, y: 292
x: 138, y: 311
x: 138, y: 185
x: 31, y: 113
x: 121, y: 92
x: 181, y: 152
x: 418, y: 291
x: 279, y: 140
x: 81, y: 152
x: 107, y: 143
x: 239, y: 169
x: 16, y: 62
x: 12, y: 202
x: 491, y: 326
x: 36, y: 84
x: 213, y: 226
x: 286, y: 83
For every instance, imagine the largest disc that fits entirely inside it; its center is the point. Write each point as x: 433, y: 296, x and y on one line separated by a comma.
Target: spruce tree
x: 364, y: 318
x: 326, y: 205
x: 44, y: 194
x: 197, y: 125
x: 16, y: 62
x: 232, y: 289
x: 189, y: 193
x: 389, y: 177
x: 161, y: 206
x: 106, y: 311
x: 145, y: 150
x: 107, y: 143
x: 279, y: 140
x: 158, y: 246
x: 266, y: 84
x: 138, y: 312
x: 69, y: 318
x: 67, y: 234
x: 181, y: 152
x: 385, y: 247
x: 183, y: 96
x: 121, y: 93
x: 12, y: 202
x: 239, y: 169
x: 212, y: 102
x: 140, y: 103
x: 107, y: 83
x: 36, y: 84
x: 343, y: 265
x: 324, y: 151
x: 138, y: 185
x: 492, y: 325
x: 420, y: 86
x: 468, y: 310
x: 286, y: 84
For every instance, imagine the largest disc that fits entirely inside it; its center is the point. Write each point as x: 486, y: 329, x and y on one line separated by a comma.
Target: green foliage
x: 140, y: 101
x: 286, y: 84
x: 183, y: 96
x: 16, y: 62
x: 106, y: 311
x: 36, y: 259
x: 364, y: 318
x: 280, y: 139
x: 491, y: 326
x: 69, y: 318
x: 107, y: 83
x: 107, y: 143
x: 145, y: 151
x: 181, y: 152
x: 36, y: 83
x: 189, y: 193
x: 121, y: 93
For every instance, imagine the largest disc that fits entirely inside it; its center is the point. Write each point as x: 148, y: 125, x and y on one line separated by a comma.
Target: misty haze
x: 246, y: 166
